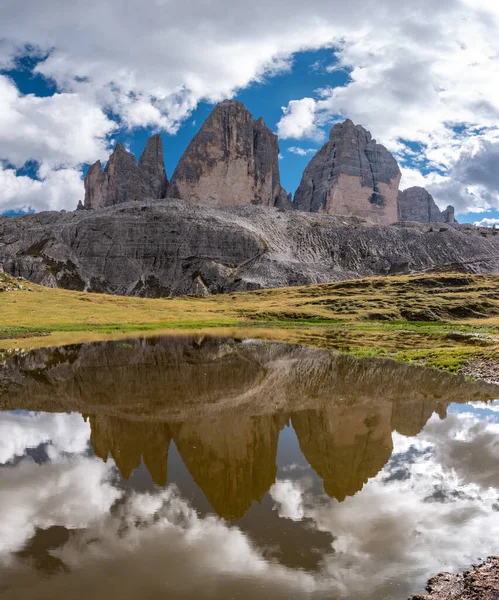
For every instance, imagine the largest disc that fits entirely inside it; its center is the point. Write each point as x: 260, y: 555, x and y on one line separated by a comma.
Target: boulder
x: 351, y: 175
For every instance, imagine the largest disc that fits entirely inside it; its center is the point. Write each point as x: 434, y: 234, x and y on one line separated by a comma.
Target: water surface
x: 217, y: 468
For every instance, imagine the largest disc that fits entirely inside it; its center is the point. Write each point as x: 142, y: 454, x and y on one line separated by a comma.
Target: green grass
x: 438, y: 320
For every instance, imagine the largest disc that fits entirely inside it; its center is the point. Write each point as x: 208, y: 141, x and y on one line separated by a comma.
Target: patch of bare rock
x: 478, y: 583
x: 417, y: 204
x: 483, y: 369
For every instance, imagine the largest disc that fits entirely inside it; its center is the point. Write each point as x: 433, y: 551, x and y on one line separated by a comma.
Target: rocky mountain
x: 123, y: 180
x: 351, y: 175
x: 168, y: 247
x: 417, y: 204
x: 232, y: 161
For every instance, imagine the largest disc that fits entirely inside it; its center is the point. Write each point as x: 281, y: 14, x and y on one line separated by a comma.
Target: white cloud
x: 55, y: 131
x: 151, y: 63
x: 67, y: 433
x: 59, y: 133
x: 416, y: 80
x: 301, y: 151
x: 59, y: 189
x: 298, y: 121
x: 487, y: 222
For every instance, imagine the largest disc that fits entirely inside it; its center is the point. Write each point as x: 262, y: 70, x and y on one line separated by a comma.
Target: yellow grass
x: 443, y: 319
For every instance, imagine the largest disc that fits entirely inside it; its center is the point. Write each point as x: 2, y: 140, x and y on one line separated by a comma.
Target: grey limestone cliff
x: 123, y: 180
x: 351, y: 175
x: 232, y: 161
x: 169, y: 247
x: 417, y: 204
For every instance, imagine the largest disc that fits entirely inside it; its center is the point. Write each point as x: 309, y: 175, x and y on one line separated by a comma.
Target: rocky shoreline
x: 481, y: 582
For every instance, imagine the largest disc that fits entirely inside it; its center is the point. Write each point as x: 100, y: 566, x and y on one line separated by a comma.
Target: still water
x: 196, y: 468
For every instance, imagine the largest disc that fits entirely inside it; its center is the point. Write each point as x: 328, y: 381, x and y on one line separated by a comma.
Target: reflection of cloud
x: 431, y: 508
x: 469, y: 447
x: 492, y: 407
x: 20, y: 432
x: 157, y: 545
x: 288, y: 499
x: 71, y: 493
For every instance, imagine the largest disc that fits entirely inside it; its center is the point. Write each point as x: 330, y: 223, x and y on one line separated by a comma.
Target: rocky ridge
x: 168, y: 247
x: 417, y: 204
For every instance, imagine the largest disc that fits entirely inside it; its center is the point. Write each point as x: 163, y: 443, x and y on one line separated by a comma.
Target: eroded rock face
x: 351, y: 175
x: 232, y: 161
x: 417, y: 204
x: 167, y: 248
x: 123, y: 180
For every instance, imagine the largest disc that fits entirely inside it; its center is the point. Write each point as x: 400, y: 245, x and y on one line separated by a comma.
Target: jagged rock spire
x: 233, y: 160
x: 351, y: 175
x: 154, y: 182
x: 123, y: 180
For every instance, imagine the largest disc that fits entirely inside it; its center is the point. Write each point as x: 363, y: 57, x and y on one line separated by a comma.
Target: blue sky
x: 421, y: 77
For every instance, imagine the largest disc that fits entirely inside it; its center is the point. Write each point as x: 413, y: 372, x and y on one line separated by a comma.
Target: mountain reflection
x: 223, y: 402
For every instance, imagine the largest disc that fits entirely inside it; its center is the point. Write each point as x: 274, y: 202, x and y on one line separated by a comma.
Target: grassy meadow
x: 446, y: 321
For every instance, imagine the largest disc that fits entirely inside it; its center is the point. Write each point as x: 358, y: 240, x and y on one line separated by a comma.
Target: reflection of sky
x: 488, y: 410
x: 434, y: 506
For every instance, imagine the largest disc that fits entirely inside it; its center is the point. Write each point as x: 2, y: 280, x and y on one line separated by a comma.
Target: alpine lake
x: 197, y: 467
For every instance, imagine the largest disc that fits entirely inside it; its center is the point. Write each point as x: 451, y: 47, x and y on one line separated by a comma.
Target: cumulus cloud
x: 487, y: 222
x: 59, y: 133
x: 298, y: 121
x: 425, y: 82
x: 55, y: 131
x: 59, y: 189
x: 411, y: 78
